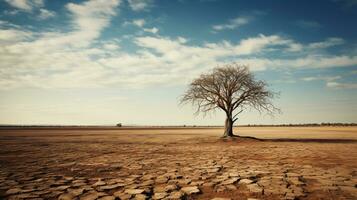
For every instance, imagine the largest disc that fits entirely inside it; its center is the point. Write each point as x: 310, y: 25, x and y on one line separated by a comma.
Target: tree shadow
x: 311, y: 140
x: 302, y: 140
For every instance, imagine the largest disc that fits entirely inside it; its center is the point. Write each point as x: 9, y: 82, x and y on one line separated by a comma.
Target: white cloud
x: 56, y: 58
x: 88, y: 20
x: 45, y: 14
x: 26, y: 5
x: 305, y: 62
x: 233, y: 23
x: 292, y: 46
x: 153, y: 30
x: 139, y: 5
x: 92, y: 15
x: 13, y: 35
x: 336, y: 85
x: 19, y: 4
x: 327, y: 43
x: 111, y: 46
x: 134, y: 70
x: 181, y: 40
x: 332, y: 82
x: 323, y: 78
x: 325, y: 61
x: 76, y: 59
x: 295, y: 47
x: 139, y: 22
x: 30, y: 6
x: 255, y: 44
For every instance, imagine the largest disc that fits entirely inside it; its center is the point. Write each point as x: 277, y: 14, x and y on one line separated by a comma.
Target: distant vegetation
x: 4, y: 126
x: 284, y: 125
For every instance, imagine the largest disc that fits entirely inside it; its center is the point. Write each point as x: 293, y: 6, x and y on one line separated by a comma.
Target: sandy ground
x: 291, y: 163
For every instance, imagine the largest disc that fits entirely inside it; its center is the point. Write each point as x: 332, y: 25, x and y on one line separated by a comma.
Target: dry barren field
x: 179, y: 163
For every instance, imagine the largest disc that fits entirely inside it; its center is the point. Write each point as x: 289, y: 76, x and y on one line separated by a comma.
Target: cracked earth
x: 174, y: 163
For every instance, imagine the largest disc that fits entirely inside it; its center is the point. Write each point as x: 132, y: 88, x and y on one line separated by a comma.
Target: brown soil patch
x: 317, y: 163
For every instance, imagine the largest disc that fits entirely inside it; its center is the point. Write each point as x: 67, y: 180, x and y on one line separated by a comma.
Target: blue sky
x: 109, y: 61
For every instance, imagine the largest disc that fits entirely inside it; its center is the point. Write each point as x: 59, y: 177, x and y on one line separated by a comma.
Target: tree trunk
x: 228, y: 128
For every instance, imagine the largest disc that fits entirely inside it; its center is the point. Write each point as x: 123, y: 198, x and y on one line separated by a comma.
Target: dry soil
x: 178, y: 163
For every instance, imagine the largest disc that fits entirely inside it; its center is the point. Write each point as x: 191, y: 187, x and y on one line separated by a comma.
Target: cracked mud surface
x: 178, y: 164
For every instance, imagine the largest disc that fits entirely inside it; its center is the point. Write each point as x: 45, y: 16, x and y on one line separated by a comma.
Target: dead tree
x: 232, y: 88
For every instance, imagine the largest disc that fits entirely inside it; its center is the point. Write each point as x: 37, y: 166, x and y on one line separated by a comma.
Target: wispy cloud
x: 153, y: 30
x: 323, y: 78
x: 45, y: 14
x: 27, y: 5
x: 232, y: 23
x: 110, y: 46
x: 331, y: 82
x: 77, y: 59
x: 337, y: 85
x: 327, y: 43
x: 60, y: 62
x: 140, y: 5
x: 139, y: 22
x: 30, y: 6
x: 89, y: 18
x: 58, y: 51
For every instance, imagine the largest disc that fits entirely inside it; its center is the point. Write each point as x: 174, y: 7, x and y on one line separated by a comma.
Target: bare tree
x: 232, y: 88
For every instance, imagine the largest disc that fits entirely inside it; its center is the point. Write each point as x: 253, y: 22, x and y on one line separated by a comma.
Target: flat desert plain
x: 178, y: 163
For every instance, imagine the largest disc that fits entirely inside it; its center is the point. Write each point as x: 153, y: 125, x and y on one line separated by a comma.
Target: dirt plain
x: 178, y: 163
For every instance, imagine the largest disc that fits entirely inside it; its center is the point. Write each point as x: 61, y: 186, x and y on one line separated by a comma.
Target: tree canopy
x: 231, y: 88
